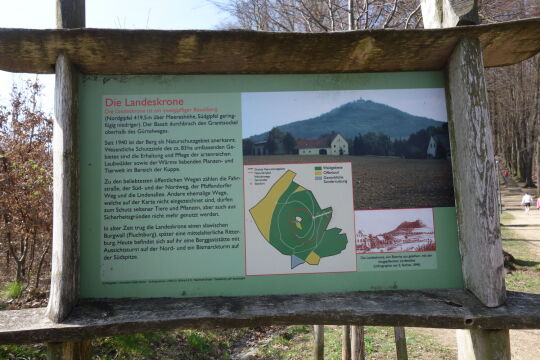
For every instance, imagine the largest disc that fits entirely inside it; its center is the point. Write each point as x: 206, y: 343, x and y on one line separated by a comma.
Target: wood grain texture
x: 483, y: 344
x: 64, y: 291
x: 79, y: 350
x: 357, y: 343
x: 475, y: 178
x: 105, y: 51
x: 434, y: 308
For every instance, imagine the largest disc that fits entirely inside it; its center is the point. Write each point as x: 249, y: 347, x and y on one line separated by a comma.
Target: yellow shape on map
x: 313, y: 259
x: 262, y: 212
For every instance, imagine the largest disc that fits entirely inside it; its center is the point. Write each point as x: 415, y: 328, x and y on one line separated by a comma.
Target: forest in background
x: 280, y: 142
x: 26, y: 132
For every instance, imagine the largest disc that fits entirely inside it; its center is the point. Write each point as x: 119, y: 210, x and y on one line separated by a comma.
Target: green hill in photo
x: 360, y: 116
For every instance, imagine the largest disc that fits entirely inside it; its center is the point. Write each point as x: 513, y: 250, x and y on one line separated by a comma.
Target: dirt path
x: 526, y: 226
x: 525, y: 344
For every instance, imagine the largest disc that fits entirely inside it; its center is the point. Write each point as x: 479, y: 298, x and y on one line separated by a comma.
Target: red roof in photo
x: 322, y: 142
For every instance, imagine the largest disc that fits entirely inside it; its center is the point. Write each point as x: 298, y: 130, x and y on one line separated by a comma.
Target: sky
x: 263, y: 114
x: 377, y: 222
x: 123, y: 14
x: 199, y: 14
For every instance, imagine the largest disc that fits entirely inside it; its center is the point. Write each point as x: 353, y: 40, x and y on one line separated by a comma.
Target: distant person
x: 526, y: 200
x: 505, y: 177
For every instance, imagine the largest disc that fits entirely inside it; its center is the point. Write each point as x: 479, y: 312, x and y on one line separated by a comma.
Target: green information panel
x: 233, y: 185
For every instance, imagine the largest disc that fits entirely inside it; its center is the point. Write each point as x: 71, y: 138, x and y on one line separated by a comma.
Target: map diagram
x: 290, y: 218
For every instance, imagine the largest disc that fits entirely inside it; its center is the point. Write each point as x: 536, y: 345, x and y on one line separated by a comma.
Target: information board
x: 232, y: 185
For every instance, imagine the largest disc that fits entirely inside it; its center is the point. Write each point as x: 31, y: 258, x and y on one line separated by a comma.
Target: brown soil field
x: 381, y: 182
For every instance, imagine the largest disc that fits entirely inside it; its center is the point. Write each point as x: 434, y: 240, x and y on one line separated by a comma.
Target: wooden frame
x: 194, y: 52
x: 106, y: 51
x: 455, y: 309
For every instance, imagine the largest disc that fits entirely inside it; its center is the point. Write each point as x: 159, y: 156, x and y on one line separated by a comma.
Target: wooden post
x: 476, y: 198
x: 64, y: 292
x: 346, y: 342
x: 79, y: 350
x: 70, y: 14
x: 401, y: 343
x: 65, y: 254
x: 475, y: 176
x: 483, y: 344
x: 318, y: 348
x: 357, y: 343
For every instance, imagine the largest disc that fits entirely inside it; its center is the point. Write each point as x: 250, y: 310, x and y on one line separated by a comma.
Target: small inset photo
x: 394, y: 231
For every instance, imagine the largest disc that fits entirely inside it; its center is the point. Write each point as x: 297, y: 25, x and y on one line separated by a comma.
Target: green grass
x: 506, y: 216
x: 13, y: 290
x: 23, y: 352
x: 181, y: 344
x: 526, y: 277
x: 296, y: 342
x: 524, y: 281
x: 127, y: 346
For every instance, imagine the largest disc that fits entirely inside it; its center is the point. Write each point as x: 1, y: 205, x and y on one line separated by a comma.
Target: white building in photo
x: 328, y: 144
x: 438, y: 147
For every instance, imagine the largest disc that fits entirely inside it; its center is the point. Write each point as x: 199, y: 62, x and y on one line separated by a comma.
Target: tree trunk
x: 40, y: 265
x: 538, y: 167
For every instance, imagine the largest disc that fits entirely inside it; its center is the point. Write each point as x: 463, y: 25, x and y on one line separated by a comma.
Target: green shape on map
x: 291, y: 220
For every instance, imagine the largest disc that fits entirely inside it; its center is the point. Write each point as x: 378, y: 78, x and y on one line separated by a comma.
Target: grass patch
x: 22, y: 352
x: 379, y: 344
x: 524, y: 281
x: 13, y: 290
x: 519, y: 249
x: 506, y: 216
x: 269, y: 343
x: 506, y: 234
x: 131, y: 346
x: 526, y: 277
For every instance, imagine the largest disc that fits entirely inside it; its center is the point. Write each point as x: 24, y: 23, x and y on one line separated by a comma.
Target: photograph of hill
x: 414, y: 231
x: 396, y: 140
x: 357, y: 117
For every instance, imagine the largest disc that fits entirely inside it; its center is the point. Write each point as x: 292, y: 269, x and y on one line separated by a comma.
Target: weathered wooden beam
x: 105, y: 51
x: 475, y: 178
x: 435, y: 308
x: 65, y: 274
x: 64, y: 291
